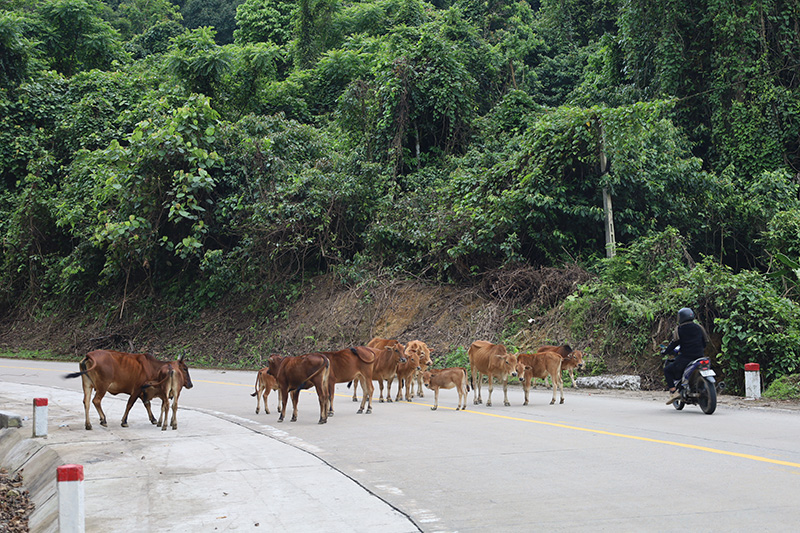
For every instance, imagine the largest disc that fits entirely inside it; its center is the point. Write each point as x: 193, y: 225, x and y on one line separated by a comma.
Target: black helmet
x: 685, y: 315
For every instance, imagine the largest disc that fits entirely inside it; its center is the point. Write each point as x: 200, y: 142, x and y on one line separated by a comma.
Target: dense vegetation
x: 182, y: 151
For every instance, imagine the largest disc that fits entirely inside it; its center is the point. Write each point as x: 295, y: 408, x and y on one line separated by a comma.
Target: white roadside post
x: 752, y: 381
x: 40, y: 417
x: 71, y: 513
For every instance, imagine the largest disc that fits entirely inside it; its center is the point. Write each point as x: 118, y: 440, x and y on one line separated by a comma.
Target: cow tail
x: 468, y: 380
x: 83, y: 371
x: 256, y: 392
x: 326, y: 375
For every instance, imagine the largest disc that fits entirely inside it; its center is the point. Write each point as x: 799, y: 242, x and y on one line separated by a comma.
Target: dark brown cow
x: 571, y: 359
x: 167, y: 386
x: 265, y: 383
x: 540, y: 365
x: 385, y: 367
x: 303, y: 372
x: 425, y: 361
x: 349, y: 365
x: 447, y: 378
x: 490, y: 360
x: 107, y: 371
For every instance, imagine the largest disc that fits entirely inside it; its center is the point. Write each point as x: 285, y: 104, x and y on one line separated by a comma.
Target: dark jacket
x: 692, y: 340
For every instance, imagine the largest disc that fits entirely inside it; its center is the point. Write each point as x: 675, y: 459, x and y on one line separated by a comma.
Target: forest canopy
x: 209, y: 147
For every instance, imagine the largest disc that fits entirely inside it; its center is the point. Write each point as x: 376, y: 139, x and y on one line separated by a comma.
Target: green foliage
x: 457, y: 357
x: 268, y: 21
x: 198, y: 61
x: 217, y: 14
x: 73, y: 36
x: 784, y: 388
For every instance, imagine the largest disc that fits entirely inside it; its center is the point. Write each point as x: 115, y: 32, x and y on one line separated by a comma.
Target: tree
x: 74, y: 37
x: 267, y: 21
x: 217, y: 14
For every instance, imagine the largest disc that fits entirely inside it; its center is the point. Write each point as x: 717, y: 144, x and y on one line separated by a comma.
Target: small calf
x: 540, y: 365
x: 265, y: 383
x: 447, y: 378
x: 167, y: 386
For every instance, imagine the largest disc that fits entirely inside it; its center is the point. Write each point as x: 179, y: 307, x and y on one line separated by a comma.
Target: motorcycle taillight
x: 704, y: 363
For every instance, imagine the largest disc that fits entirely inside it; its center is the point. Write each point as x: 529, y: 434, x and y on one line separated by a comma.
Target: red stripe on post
x: 70, y: 473
x: 752, y: 367
x: 40, y: 402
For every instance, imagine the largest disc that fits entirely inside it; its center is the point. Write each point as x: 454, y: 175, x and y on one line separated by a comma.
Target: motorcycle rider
x: 692, y: 339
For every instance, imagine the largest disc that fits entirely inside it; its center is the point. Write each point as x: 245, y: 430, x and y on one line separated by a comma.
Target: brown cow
x: 405, y: 371
x: 167, y: 386
x: 571, y: 359
x: 447, y: 378
x: 265, y: 383
x: 540, y: 365
x: 491, y: 360
x: 385, y: 367
x: 107, y: 371
x: 348, y: 365
x: 425, y: 361
x: 303, y: 372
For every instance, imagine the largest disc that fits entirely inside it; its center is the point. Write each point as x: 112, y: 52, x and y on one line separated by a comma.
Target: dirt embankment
x: 521, y: 306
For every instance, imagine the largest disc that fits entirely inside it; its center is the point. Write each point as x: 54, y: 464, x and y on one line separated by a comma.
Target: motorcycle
x: 698, y: 385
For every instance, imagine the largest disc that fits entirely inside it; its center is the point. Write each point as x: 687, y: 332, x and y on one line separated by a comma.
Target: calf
x: 385, y: 367
x: 491, y: 360
x: 167, y: 386
x: 540, y: 365
x: 425, y: 361
x: 571, y: 359
x: 265, y: 383
x: 405, y: 371
x: 303, y: 372
x: 447, y: 378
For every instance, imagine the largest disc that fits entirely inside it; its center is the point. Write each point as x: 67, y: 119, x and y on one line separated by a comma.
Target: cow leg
x: 572, y: 377
x: 355, y: 390
x: 526, y: 387
x: 284, y: 400
x: 420, y: 392
x: 162, y: 419
x: 266, y: 396
x: 491, y: 388
x: 389, y: 390
x: 174, y: 421
x: 476, y: 387
x: 128, y: 406
x: 323, y: 403
x: 87, y: 396
x: 329, y: 399
x: 98, y: 397
x: 561, y: 387
x: 505, y: 392
x: 259, y: 394
x: 368, y: 391
x: 149, y: 412
x: 295, y: 398
x: 435, y: 399
x: 409, y: 388
x: 364, y: 399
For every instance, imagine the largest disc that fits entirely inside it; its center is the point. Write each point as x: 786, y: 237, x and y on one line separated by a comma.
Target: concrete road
x: 597, y: 462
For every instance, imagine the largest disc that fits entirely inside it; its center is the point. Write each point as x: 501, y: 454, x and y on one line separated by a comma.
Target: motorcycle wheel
x: 678, y: 404
x: 708, y: 396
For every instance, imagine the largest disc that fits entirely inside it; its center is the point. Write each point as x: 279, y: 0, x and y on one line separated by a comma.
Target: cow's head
x: 397, y: 353
x: 187, y: 380
x: 509, y: 363
x: 426, y: 379
x: 578, y: 356
x: 521, y: 367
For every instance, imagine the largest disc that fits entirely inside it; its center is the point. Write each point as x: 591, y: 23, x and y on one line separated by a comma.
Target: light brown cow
x: 167, y: 386
x: 447, y: 378
x: 405, y: 371
x: 425, y: 361
x: 571, y: 359
x: 265, y: 383
x: 490, y: 360
x: 349, y: 365
x: 107, y: 371
x: 303, y: 372
x: 540, y: 365
x: 385, y: 367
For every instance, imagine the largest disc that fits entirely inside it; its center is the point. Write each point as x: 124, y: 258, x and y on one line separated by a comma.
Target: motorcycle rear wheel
x: 708, y: 396
x: 678, y: 404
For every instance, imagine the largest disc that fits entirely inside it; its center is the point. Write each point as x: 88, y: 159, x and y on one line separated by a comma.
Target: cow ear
x: 181, y: 356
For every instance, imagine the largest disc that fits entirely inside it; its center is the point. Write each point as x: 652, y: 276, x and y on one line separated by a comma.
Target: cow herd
x: 141, y: 376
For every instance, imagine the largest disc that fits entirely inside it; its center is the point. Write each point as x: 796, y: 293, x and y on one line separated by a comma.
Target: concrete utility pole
x: 611, y: 240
